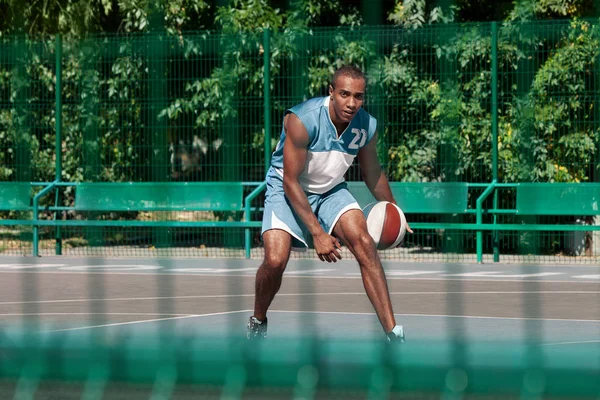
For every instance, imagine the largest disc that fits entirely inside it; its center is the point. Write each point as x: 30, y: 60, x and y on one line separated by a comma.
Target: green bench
x: 534, y: 199
x: 15, y: 196
x: 159, y: 196
x: 452, y: 198
x: 104, y: 197
x: 558, y: 199
x: 420, y: 197
x: 413, y: 197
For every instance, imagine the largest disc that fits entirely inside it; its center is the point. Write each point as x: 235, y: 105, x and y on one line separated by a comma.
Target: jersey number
x: 359, y: 134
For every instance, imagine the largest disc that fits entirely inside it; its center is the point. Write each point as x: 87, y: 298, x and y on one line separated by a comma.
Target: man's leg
x: 351, y: 229
x: 277, y: 244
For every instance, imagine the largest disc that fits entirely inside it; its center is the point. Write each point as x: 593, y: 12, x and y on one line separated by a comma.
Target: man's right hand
x: 327, y: 247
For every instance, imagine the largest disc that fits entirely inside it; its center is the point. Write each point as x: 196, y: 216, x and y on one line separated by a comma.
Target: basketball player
x: 307, y: 201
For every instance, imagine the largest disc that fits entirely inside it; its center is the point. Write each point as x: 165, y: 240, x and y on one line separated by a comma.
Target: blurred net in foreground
x: 83, y: 366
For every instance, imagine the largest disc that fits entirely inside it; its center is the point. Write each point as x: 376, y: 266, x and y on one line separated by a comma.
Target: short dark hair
x: 350, y: 71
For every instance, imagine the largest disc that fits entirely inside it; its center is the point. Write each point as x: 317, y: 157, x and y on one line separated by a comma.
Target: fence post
x: 526, y: 34
x: 21, y: 82
x: 267, y: 94
x: 58, y: 142
x: 156, y: 53
x: 90, y: 126
x: 479, y: 215
x: 267, y: 138
x: 447, y: 157
x: 495, y: 130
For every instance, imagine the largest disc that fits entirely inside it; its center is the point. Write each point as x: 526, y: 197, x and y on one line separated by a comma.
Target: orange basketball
x: 386, y: 224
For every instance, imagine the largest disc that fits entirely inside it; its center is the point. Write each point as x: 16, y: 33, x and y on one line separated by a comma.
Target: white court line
x: 308, y: 271
x: 124, y: 299
x: 144, y: 321
x: 81, y: 313
x: 211, y: 296
x: 440, y: 316
x: 315, y: 312
x: 341, y: 276
x: 564, y: 343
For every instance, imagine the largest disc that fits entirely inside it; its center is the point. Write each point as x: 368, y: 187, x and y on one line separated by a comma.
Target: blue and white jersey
x: 329, y: 157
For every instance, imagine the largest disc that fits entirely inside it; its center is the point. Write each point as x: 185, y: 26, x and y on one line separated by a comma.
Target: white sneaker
x: 256, y: 329
x: 396, y: 335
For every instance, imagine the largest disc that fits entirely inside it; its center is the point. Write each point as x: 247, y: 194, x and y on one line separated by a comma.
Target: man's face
x: 347, y: 97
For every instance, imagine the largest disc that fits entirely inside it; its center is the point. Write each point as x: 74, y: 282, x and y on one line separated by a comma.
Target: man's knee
x: 277, y: 245
x: 275, y: 263
x: 361, y: 240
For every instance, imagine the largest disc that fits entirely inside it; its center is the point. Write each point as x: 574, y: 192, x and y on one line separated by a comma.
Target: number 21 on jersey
x: 360, y: 135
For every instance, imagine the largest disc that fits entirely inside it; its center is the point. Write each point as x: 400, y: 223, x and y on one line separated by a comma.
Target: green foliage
x: 247, y: 15
x: 414, y: 14
x: 134, y: 14
x: 53, y: 16
x: 321, y: 13
x: 412, y: 155
x: 344, y: 51
x: 527, y: 10
x: 429, y: 85
x: 449, y: 107
x: 557, y: 100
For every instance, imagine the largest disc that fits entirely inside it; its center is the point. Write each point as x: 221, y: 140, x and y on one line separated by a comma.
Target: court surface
x: 556, y: 306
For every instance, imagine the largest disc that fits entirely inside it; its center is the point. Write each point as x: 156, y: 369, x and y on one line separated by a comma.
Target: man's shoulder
x: 308, y: 106
x: 364, y: 114
x: 366, y: 120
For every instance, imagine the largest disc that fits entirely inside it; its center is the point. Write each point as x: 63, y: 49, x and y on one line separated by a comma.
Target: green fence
x: 481, y: 104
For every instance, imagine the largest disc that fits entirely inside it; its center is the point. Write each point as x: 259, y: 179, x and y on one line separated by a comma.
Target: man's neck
x: 340, y: 127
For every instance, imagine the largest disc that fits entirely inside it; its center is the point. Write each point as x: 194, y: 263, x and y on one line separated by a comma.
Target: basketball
x: 386, y: 224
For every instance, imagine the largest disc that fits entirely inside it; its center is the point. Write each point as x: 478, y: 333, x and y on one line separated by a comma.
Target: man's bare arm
x: 294, y: 161
x: 372, y: 174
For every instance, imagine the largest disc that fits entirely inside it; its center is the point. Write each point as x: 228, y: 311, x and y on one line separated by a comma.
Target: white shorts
x: 328, y: 207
